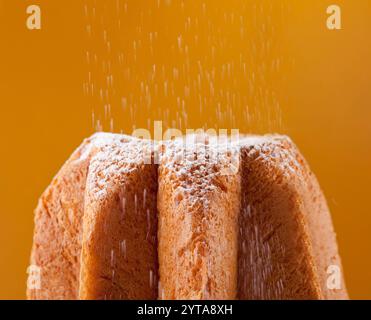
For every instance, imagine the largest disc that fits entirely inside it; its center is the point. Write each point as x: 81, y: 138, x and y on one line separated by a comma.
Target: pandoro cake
x: 192, y: 218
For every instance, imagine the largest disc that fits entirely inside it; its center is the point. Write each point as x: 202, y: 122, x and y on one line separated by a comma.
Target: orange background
x: 260, y: 66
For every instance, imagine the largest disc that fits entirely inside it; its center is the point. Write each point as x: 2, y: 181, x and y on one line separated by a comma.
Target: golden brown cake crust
x: 59, y: 226
x: 119, y: 255
x: 198, y: 211
x: 287, y: 240
x: 58, y: 216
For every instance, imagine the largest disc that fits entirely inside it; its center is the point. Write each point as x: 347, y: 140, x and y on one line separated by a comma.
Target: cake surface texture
x: 96, y: 224
x: 190, y: 218
x: 287, y: 241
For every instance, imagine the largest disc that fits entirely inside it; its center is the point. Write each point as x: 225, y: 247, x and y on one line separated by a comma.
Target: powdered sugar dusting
x: 117, y: 156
